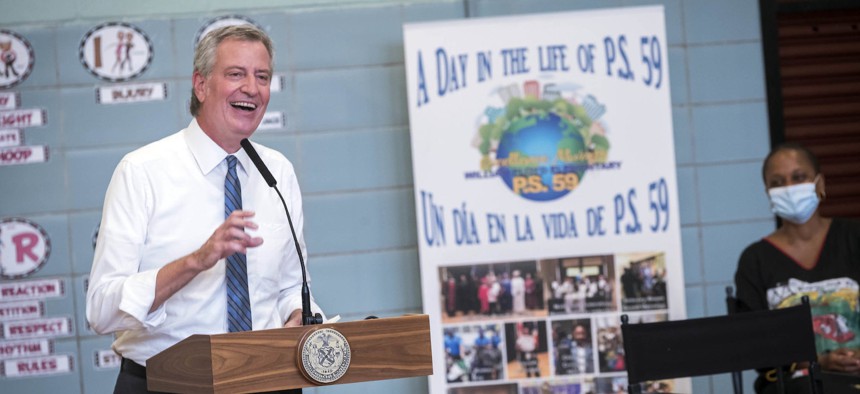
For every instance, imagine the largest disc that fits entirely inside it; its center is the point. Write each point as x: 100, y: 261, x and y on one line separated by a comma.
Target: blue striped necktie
x: 238, y: 301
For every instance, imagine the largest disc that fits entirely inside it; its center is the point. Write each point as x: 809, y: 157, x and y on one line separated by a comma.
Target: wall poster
x: 545, y: 196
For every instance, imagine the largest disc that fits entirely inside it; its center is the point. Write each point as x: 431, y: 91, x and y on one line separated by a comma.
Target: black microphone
x: 307, y: 317
x: 258, y: 162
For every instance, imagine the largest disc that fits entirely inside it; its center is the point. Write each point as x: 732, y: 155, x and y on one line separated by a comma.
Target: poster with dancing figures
x: 545, y: 196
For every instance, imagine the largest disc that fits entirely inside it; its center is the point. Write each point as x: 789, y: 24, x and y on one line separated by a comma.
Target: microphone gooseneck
x: 308, y: 318
x: 258, y: 162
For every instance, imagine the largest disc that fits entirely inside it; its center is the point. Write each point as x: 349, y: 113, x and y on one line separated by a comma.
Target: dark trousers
x: 132, y: 380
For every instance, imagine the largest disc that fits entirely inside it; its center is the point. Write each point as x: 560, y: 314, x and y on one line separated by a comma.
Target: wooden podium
x: 266, y: 360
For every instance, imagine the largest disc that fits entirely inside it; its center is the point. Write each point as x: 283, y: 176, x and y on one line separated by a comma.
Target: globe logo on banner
x: 542, y: 144
x: 115, y: 51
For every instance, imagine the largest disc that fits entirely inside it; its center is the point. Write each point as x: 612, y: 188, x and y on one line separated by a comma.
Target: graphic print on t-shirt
x: 834, y: 309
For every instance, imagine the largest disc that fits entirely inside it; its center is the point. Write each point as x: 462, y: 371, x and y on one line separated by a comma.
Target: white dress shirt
x: 164, y: 201
x: 527, y: 343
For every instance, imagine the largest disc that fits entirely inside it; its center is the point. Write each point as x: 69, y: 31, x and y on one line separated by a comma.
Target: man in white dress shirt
x: 158, y: 274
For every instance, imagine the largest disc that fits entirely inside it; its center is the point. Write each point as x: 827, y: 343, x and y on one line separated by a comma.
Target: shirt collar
x: 207, y: 153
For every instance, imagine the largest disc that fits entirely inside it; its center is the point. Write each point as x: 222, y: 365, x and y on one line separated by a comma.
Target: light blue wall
x: 347, y: 133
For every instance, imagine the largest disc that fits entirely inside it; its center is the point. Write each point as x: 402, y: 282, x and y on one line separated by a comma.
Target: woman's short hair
x: 791, y: 146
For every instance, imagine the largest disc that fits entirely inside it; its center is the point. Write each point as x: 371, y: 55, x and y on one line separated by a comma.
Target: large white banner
x: 545, y: 195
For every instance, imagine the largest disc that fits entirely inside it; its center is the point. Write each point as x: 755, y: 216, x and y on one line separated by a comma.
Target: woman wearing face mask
x: 807, y: 255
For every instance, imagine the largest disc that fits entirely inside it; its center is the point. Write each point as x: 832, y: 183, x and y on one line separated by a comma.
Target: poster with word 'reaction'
x: 545, y: 196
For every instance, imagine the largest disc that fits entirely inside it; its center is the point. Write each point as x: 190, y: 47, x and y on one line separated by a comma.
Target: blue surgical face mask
x: 795, y: 203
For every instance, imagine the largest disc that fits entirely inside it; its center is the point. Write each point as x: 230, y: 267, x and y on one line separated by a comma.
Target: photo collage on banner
x: 545, y: 196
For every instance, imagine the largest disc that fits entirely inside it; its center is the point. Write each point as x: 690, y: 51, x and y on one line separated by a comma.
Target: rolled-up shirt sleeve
x: 119, y: 295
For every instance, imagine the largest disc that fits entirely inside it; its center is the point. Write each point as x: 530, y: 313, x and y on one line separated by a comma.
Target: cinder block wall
x: 347, y: 133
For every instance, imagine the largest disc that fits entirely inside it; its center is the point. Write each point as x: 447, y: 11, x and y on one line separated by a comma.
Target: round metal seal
x: 24, y: 248
x: 324, y: 355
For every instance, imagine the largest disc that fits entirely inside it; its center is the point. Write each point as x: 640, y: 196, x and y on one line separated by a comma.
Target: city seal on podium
x: 324, y: 355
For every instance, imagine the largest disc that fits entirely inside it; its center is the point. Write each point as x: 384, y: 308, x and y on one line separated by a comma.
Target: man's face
x: 235, y: 94
x: 579, y: 334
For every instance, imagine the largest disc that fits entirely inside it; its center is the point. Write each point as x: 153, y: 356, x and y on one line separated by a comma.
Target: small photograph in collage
x: 491, y: 291
x: 610, y: 345
x: 573, y: 348
x: 510, y: 388
x: 643, y: 281
x: 610, y: 385
x: 559, y: 386
x: 646, y: 317
x: 580, y: 285
x: 658, y: 386
x: 473, y: 353
x: 526, y: 346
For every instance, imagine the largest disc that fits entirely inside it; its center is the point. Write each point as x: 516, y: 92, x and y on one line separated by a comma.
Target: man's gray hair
x: 204, y: 54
